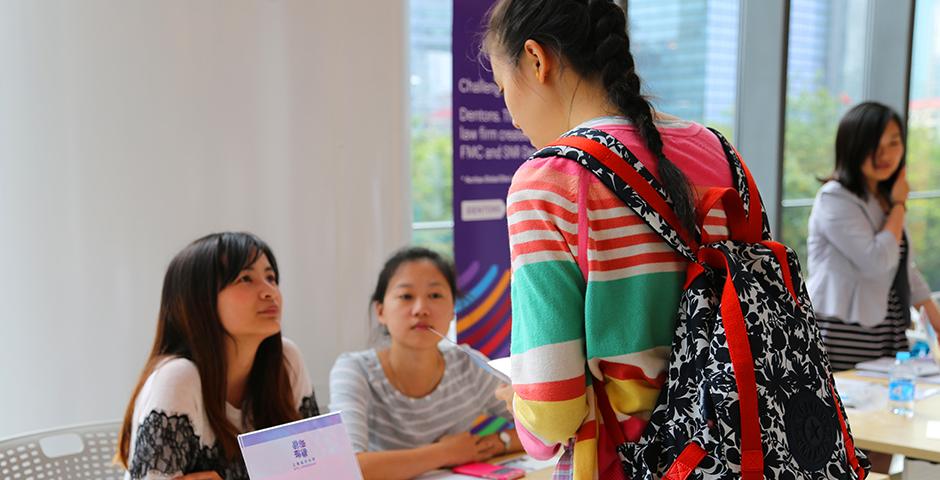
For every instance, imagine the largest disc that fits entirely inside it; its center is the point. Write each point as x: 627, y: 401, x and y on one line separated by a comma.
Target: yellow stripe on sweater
x: 631, y: 396
x: 585, y: 459
x: 552, y: 422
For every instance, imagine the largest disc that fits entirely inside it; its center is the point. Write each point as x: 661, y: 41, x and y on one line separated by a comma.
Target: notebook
x: 312, y: 448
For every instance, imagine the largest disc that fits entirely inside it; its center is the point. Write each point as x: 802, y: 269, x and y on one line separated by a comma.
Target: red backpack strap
x: 612, y: 426
x: 664, y: 219
x: 583, y: 231
x: 600, y: 393
x: 686, y: 462
x: 746, y: 186
x: 846, y: 437
x: 742, y: 361
x: 780, y: 252
x: 740, y: 226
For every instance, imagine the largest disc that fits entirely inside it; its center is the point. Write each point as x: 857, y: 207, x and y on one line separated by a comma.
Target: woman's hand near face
x: 895, y: 221
x: 901, y: 188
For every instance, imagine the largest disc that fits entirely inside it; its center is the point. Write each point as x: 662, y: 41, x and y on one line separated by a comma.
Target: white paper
x: 924, y: 367
x: 867, y: 396
x: 861, y: 395
x: 932, y: 379
x: 502, y: 365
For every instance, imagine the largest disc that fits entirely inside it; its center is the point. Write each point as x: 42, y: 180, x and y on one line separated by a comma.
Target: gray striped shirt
x: 379, y: 417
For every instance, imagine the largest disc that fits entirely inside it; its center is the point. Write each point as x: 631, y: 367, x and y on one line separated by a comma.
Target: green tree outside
x: 432, y: 186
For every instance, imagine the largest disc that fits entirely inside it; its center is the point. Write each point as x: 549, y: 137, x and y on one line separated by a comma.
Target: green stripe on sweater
x: 632, y: 314
x: 550, y: 297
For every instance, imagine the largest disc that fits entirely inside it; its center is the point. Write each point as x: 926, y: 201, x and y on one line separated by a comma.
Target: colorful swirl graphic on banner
x: 484, y: 313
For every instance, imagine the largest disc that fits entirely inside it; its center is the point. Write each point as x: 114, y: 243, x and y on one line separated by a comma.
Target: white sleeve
x: 872, y: 253
x: 170, y: 422
x: 920, y: 291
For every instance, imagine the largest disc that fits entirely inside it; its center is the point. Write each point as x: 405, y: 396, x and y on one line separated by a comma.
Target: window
x: 923, y: 141
x: 824, y: 79
x: 686, y: 53
x: 826, y: 68
x: 431, y: 144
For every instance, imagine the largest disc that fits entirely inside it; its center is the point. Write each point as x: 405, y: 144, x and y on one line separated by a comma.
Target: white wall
x: 129, y: 128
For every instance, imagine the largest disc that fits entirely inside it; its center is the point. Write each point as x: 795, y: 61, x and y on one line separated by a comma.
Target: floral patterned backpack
x: 749, y: 392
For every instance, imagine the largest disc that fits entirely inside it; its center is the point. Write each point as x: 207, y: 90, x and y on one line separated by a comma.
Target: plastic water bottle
x: 901, y: 386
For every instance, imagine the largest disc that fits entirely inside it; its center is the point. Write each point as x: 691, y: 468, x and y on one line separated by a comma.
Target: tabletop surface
x: 882, y: 431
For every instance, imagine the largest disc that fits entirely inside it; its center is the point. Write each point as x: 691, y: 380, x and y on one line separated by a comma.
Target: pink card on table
x: 312, y: 448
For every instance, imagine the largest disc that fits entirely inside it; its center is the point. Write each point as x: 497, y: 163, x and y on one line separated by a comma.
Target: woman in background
x: 218, y: 366
x: 862, y: 275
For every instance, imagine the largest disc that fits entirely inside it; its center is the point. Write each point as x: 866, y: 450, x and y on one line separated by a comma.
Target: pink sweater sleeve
x: 533, y: 446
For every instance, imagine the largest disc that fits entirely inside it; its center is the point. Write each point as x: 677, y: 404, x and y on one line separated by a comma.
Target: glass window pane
x: 923, y: 141
x: 923, y: 228
x: 824, y: 78
x: 431, y: 145
x: 441, y: 240
x: 686, y: 52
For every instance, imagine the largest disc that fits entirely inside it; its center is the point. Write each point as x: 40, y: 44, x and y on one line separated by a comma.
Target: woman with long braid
x: 562, y: 65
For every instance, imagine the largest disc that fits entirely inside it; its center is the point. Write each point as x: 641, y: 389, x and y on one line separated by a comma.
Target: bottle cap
x: 902, y: 356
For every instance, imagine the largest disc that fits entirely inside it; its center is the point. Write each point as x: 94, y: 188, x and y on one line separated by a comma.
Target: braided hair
x: 591, y: 36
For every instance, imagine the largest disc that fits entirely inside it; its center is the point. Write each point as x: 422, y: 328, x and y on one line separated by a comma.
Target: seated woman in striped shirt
x: 409, y: 408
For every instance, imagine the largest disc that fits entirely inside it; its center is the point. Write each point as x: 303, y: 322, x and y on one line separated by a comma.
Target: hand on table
x: 465, y: 447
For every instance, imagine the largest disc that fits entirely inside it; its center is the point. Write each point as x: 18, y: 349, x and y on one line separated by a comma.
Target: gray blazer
x: 852, y: 262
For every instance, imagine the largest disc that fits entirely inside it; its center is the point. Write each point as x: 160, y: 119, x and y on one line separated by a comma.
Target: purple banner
x: 487, y: 151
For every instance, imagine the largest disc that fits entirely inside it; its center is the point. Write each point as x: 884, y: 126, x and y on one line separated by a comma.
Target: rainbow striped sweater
x: 618, y: 324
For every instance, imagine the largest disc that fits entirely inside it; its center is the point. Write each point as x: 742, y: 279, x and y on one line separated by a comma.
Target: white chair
x: 80, y: 452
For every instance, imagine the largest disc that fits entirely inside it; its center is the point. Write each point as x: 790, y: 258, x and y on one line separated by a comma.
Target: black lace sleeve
x: 165, y: 444
x: 308, y: 407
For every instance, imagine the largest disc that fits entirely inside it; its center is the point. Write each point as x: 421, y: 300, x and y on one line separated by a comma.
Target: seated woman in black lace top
x: 218, y: 366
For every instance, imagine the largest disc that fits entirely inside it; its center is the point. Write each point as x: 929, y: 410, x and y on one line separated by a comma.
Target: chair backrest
x: 80, y: 452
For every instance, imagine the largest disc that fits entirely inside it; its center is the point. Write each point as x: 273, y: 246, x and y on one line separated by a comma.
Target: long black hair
x: 591, y: 36
x: 188, y: 326
x: 857, y: 140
